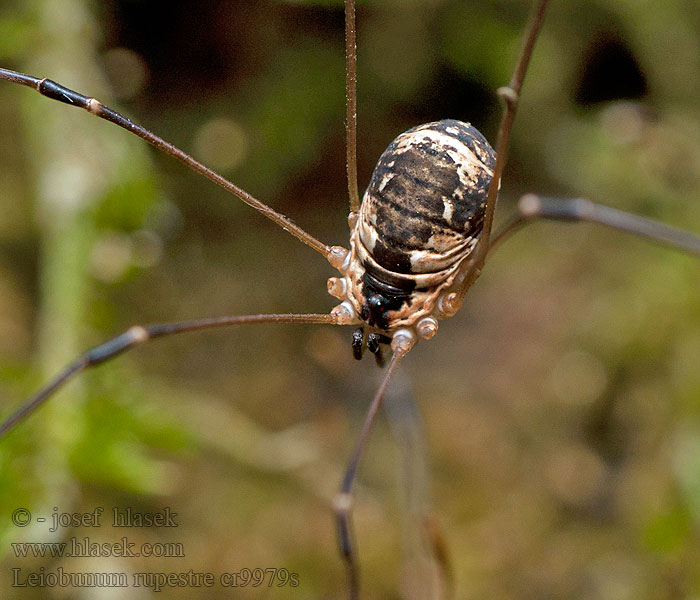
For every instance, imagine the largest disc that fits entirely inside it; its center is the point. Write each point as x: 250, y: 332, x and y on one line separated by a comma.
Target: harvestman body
x: 419, y: 240
x: 419, y: 220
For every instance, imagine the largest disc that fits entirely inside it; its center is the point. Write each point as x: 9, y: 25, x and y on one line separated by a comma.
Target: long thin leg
x: 533, y: 208
x: 137, y: 335
x: 56, y: 91
x: 351, y: 104
x: 511, y: 95
x: 343, y: 501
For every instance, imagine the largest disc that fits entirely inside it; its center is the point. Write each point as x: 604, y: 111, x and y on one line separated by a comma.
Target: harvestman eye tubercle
x: 419, y: 239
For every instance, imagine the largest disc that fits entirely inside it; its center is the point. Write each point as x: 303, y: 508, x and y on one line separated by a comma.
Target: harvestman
x: 419, y: 240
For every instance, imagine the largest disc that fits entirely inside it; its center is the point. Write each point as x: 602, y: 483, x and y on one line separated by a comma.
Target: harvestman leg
x: 511, y: 95
x: 55, y: 91
x: 532, y: 208
x: 342, y: 504
x: 351, y: 106
x: 137, y: 335
x: 343, y: 500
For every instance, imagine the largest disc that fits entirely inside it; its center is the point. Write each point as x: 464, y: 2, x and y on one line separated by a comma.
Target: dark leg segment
x: 532, y: 208
x: 137, y: 335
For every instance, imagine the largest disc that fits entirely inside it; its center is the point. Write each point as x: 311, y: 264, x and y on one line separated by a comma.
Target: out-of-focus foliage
x: 562, y: 405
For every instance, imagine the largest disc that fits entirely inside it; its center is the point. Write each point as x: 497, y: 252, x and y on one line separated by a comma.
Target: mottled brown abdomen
x: 426, y: 200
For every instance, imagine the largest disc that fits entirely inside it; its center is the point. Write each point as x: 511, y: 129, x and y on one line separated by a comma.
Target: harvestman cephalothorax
x: 418, y: 244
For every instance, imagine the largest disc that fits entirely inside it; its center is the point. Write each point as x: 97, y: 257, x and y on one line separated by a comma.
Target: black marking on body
x: 382, y: 297
x: 411, y: 183
x: 391, y: 258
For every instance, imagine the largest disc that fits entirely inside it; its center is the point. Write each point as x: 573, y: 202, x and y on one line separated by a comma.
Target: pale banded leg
x: 139, y: 334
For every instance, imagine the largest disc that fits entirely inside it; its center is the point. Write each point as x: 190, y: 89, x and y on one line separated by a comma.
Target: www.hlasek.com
x: 85, y: 547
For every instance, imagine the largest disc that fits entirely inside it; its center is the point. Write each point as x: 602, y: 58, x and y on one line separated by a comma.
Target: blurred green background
x: 561, y: 406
